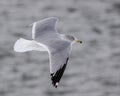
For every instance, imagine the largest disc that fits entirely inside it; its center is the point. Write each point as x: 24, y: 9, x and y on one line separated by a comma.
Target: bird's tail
x: 23, y: 45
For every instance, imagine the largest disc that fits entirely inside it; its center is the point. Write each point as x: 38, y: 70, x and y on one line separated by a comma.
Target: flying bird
x: 46, y: 38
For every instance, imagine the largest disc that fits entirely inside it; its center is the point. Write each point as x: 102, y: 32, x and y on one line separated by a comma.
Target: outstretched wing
x: 45, y: 33
x: 43, y: 27
x: 58, y: 62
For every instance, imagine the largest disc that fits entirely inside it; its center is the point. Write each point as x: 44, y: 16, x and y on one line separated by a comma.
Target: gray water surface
x: 94, y: 66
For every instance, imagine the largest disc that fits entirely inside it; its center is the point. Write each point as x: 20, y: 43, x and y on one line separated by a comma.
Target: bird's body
x: 46, y: 38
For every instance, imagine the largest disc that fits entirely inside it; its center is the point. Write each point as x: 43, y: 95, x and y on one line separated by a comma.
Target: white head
x: 72, y: 39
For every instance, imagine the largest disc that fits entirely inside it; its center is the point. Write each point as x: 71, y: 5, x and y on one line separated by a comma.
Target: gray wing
x: 43, y: 27
x: 44, y: 32
x: 58, y: 62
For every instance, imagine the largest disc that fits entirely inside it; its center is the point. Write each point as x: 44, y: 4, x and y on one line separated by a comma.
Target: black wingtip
x: 53, y: 81
x: 56, y: 77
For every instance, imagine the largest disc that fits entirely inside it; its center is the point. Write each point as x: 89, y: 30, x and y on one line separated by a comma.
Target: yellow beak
x: 78, y: 41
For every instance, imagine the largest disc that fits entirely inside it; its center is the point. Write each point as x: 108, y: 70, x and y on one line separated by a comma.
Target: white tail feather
x: 23, y: 45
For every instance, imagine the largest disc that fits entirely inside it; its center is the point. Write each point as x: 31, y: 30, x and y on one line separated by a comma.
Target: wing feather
x: 59, y: 49
x: 56, y: 77
x: 43, y: 27
x: 58, y: 62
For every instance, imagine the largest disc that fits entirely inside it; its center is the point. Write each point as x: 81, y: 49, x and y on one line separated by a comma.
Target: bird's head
x: 72, y: 39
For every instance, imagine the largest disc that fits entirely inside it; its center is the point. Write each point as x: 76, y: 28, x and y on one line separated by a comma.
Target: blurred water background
x: 94, y: 66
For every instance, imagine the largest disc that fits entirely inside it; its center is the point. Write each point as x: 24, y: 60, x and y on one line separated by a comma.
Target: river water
x: 94, y: 66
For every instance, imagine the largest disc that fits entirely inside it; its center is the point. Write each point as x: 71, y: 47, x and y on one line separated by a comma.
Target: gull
x: 46, y: 38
